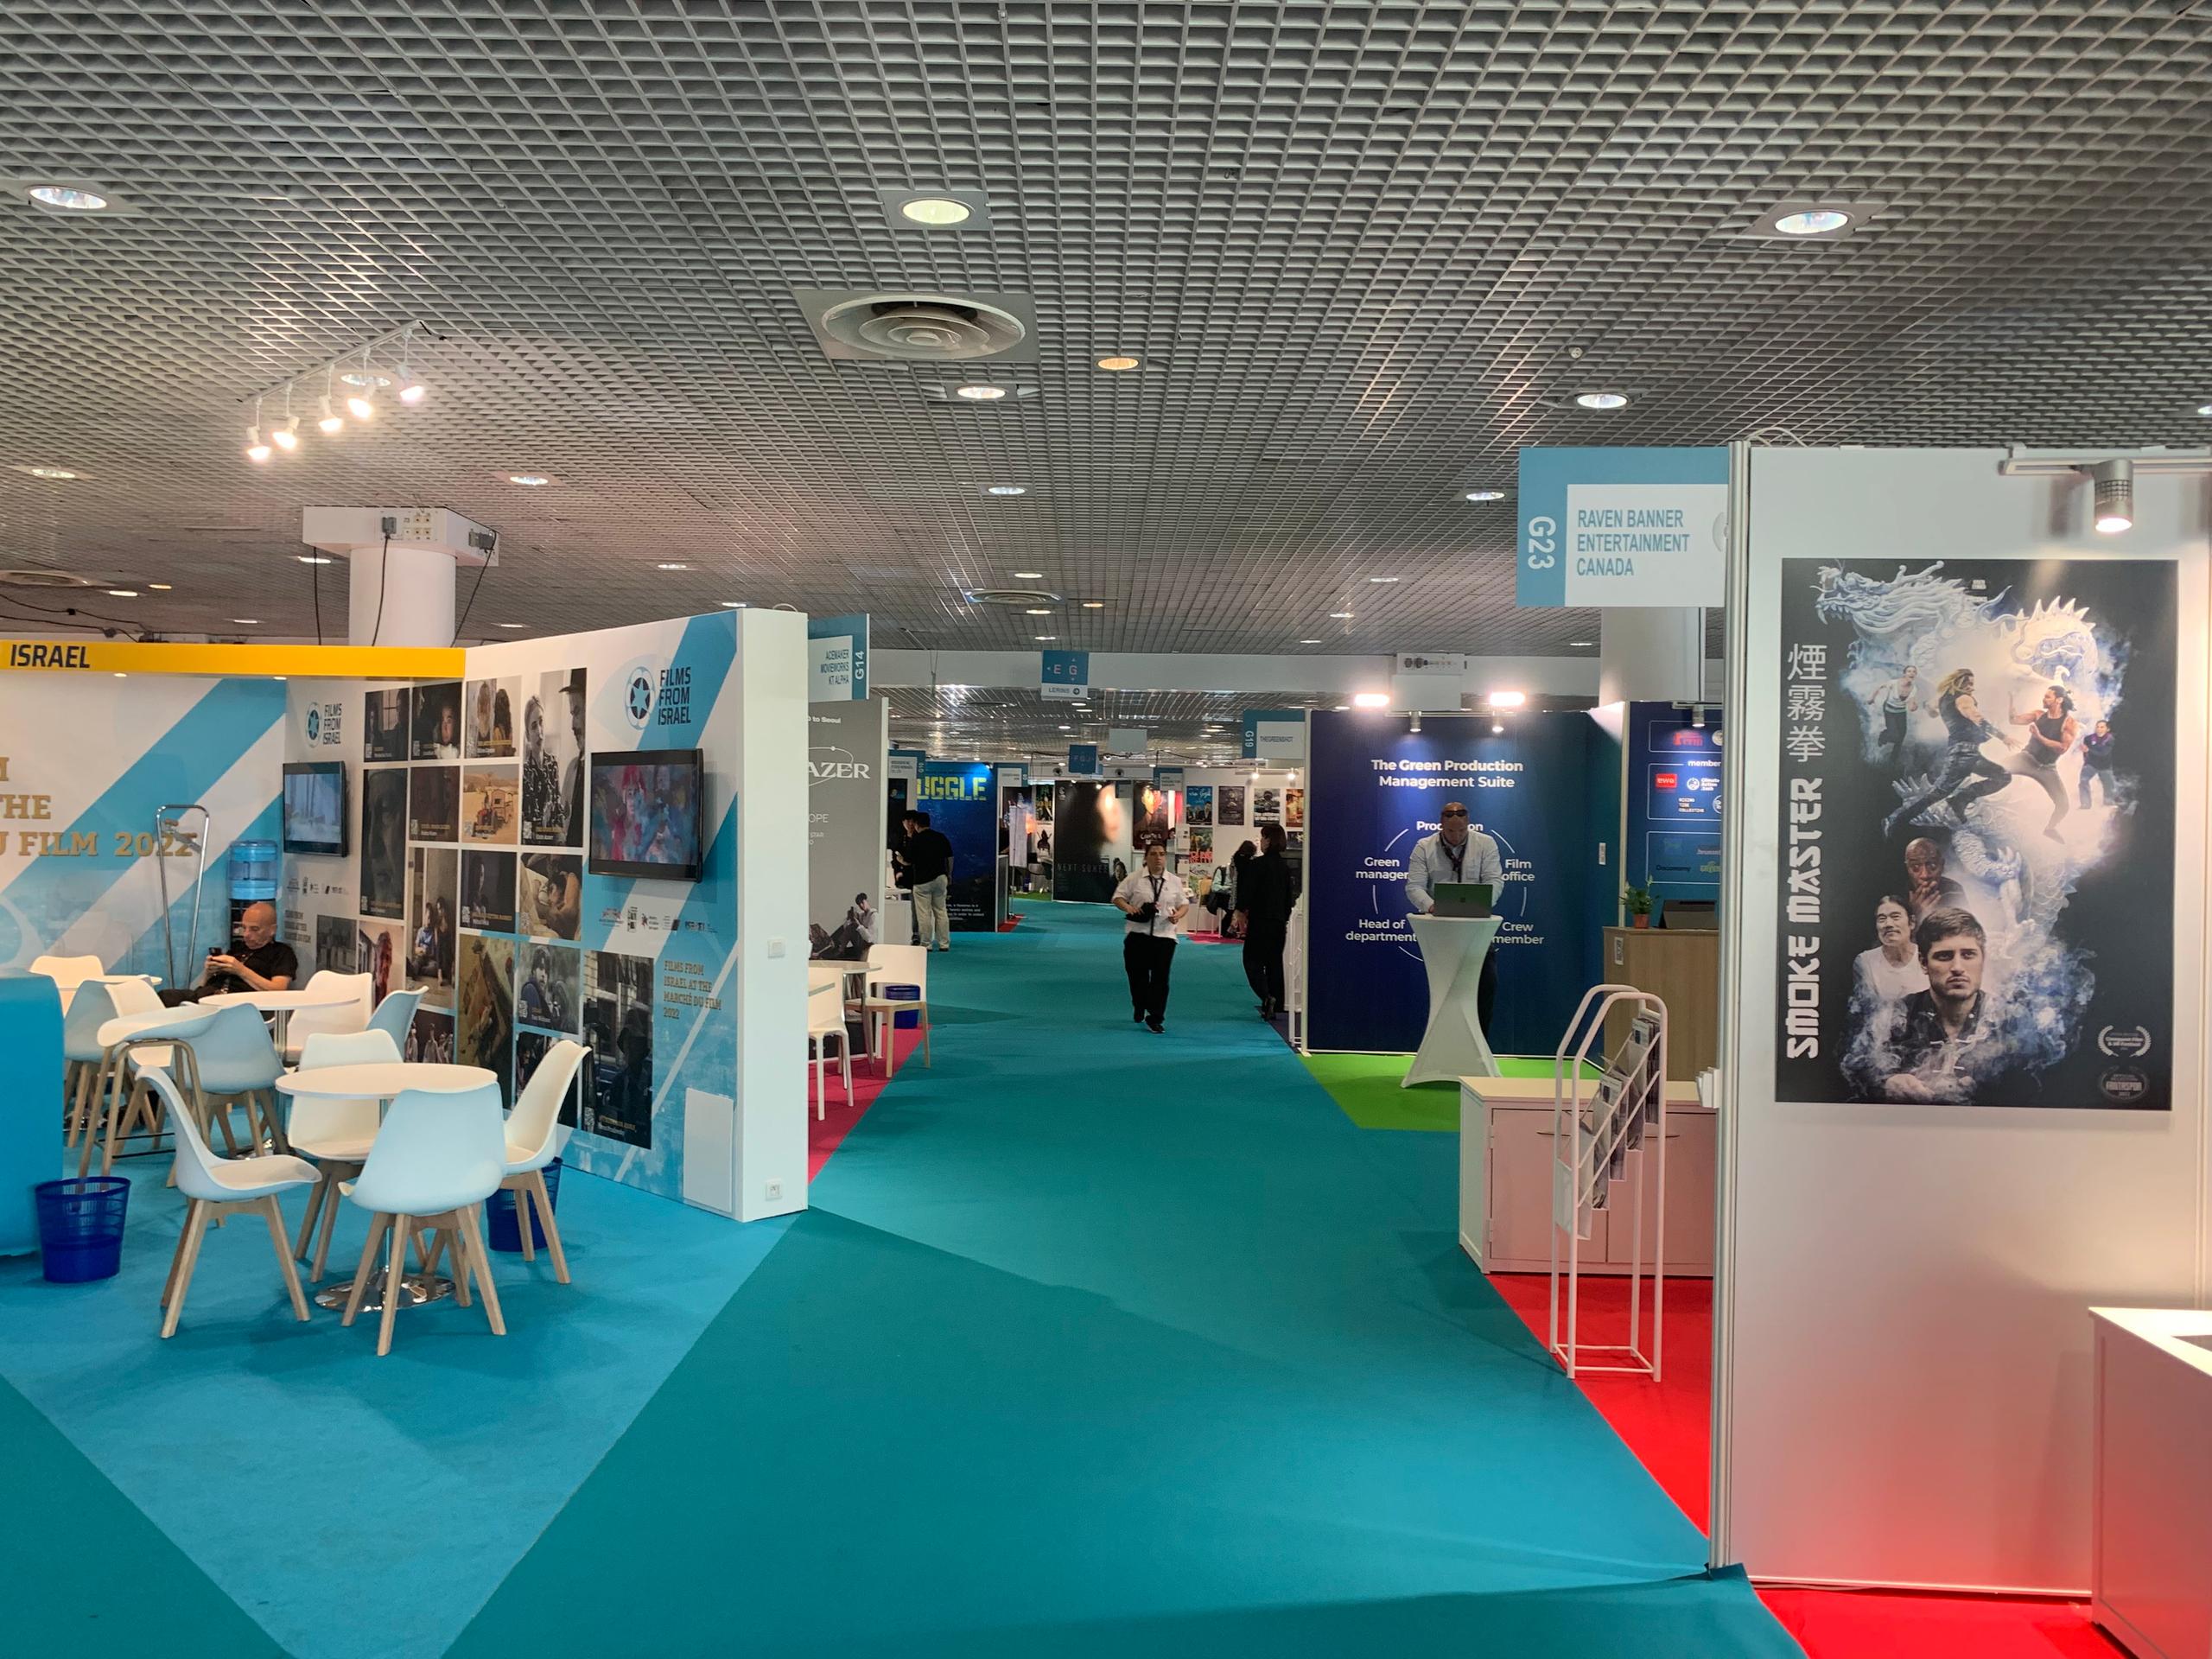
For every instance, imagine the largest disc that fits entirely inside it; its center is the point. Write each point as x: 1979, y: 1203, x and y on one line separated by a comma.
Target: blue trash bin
x: 891, y: 992
x: 503, y: 1232
x: 80, y: 1227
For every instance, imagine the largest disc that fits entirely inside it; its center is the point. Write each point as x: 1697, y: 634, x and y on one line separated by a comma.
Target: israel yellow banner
x: 300, y: 661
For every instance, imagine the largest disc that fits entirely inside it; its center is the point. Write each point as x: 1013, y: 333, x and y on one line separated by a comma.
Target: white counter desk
x: 2151, y: 1507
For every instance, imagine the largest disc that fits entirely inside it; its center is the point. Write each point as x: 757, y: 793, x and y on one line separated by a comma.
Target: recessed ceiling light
x: 1602, y: 399
x: 1094, y: 604
x: 247, y: 621
x: 1029, y: 575
x: 2205, y: 409
x: 937, y: 210
x: 1812, y: 222
x: 514, y: 625
x: 1048, y: 636
x: 1008, y: 489
x: 50, y: 472
x: 1580, y: 643
x: 1309, y: 642
x: 1339, y: 616
x: 1067, y: 729
x: 313, y: 558
x: 159, y: 587
x: 1381, y: 578
x: 1485, y: 495
x: 981, y: 394
x: 123, y: 593
x: 1038, y: 610
x: 528, y: 481
x: 66, y: 198
x: 1118, y: 362
x: 368, y: 380
x: 671, y: 566
x: 733, y: 604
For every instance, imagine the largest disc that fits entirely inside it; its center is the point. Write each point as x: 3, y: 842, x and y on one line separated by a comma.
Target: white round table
x: 383, y: 1081
x: 281, y: 1005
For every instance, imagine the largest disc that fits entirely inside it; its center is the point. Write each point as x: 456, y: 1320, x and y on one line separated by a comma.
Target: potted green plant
x: 1638, y: 900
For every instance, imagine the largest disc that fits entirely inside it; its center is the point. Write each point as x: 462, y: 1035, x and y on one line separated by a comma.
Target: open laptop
x: 1469, y: 901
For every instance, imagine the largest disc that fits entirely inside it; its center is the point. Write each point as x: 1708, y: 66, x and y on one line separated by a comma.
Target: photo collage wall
x: 471, y: 865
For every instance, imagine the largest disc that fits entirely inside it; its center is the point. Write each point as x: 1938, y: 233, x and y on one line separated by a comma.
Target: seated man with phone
x: 255, y: 961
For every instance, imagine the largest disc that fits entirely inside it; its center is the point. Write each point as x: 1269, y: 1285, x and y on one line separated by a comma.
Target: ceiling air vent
x: 1021, y: 598
x: 896, y: 326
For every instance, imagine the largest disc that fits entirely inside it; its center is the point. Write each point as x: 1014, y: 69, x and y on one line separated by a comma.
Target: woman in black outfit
x: 1265, y: 893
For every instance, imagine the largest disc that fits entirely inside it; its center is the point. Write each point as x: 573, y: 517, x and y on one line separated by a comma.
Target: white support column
x: 405, y: 598
x: 1651, y: 656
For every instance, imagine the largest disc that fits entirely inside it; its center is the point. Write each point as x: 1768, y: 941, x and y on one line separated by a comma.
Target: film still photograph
x: 487, y: 891
x: 433, y: 878
x: 489, y: 800
x: 551, y: 902
x: 429, y: 1039
x: 384, y: 724
x: 550, y: 996
x: 553, y: 761
x: 378, y: 953
x: 437, y: 723
x: 333, y: 944
x: 433, y: 803
x: 484, y: 1024
x: 489, y: 731
x: 618, y: 1028
x: 383, y: 843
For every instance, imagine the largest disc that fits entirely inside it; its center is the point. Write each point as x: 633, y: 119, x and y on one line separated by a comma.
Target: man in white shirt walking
x: 1458, y: 854
x: 1154, y: 900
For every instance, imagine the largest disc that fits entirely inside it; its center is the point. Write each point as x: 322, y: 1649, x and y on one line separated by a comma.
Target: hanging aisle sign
x: 1275, y: 737
x: 836, y: 659
x: 1631, y: 527
x: 1083, y: 759
x: 1065, y: 676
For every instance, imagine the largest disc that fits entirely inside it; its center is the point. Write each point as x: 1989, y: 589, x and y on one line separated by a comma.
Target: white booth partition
x: 1933, y: 1168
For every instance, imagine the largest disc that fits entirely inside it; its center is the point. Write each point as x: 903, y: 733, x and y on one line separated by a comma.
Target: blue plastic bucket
x: 80, y: 1228
x: 503, y: 1232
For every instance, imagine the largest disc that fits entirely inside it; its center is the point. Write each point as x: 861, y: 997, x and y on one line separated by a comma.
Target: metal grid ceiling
x: 1357, y: 244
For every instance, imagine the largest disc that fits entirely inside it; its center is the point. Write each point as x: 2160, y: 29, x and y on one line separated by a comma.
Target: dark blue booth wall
x: 1374, y: 788
x: 1674, y: 802
x: 961, y: 799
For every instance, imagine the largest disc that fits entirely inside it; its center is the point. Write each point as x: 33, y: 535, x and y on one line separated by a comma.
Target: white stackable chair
x: 896, y: 964
x: 825, y: 1019
x: 336, y: 1134
x: 345, y: 1017
x: 85, y: 1074
x: 436, y: 1158
x: 132, y: 1046
x: 235, y: 1063
x: 68, y: 973
x: 214, y: 1187
x: 535, y: 1138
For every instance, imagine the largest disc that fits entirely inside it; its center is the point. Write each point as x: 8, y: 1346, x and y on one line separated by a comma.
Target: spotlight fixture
x: 2115, y: 496
x: 1415, y: 728
x: 980, y: 393
x: 1497, y: 729
x: 1507, y: 699
x: 360, y: 407
x: 66, y: 198
x: 1371, y: 700
x: 255, y: 450
x: 1697, y: 718
x: 1118, y: 362
x: 1601, y: 400
x: 287, y: 437
x: 1485, y: 495
x: 1008, y: 489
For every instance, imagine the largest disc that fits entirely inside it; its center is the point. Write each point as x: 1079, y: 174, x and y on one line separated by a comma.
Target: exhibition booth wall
x: 85, y: 762
x: 553, y: 845
x: 846, y: 757
x: 1922, y: 1199
x: 1544, y: 789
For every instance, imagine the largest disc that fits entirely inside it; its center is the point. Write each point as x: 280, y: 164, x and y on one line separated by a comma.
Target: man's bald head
x: 258, y: 922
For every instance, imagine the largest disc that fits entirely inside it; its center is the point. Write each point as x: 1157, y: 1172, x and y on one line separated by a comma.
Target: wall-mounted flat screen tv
x: 648, y: 814
x: 314, y: 807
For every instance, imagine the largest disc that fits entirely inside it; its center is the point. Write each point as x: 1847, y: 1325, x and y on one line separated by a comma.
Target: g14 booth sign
x: 1377, y: 787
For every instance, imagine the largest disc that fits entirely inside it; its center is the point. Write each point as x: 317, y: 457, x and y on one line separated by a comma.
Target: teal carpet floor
x: 1093, y: 1342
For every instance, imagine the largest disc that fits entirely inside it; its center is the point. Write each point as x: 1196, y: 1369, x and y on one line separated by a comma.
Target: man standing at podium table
x: 1458, y: 854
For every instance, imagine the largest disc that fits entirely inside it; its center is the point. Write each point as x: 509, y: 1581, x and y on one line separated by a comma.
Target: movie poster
x: 384, y: 724
x: 1978, y: 833
x: 383, y: 843
x: 433, y: 899
x: 551, y: 994
x: 1152, y: 821
x: 549, y: 896
x: 433, y: 803
x: 618, y: 1027
x: 489, y: 803
x: 1267, y: 806
x: 378, y: 953
x: 429, y: 1039
x: 490, y: 731
x: 1294, y: 810
x: 530, y: 1049
x: 487, y: 891
x: 483, y: 1026
x: 1202, y: 847
x: 1092, y: 851
x: 1197, y: 806
x: 437, y: 723
x: 553, y: 761
x: 1228, y: 807
x: 333, y: 944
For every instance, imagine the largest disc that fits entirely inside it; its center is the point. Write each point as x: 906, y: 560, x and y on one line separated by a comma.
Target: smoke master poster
x: 1977, y: 833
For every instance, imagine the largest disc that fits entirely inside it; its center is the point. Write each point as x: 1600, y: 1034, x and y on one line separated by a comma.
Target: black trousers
x: 1147, y: 959
x: 1263, y: 961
